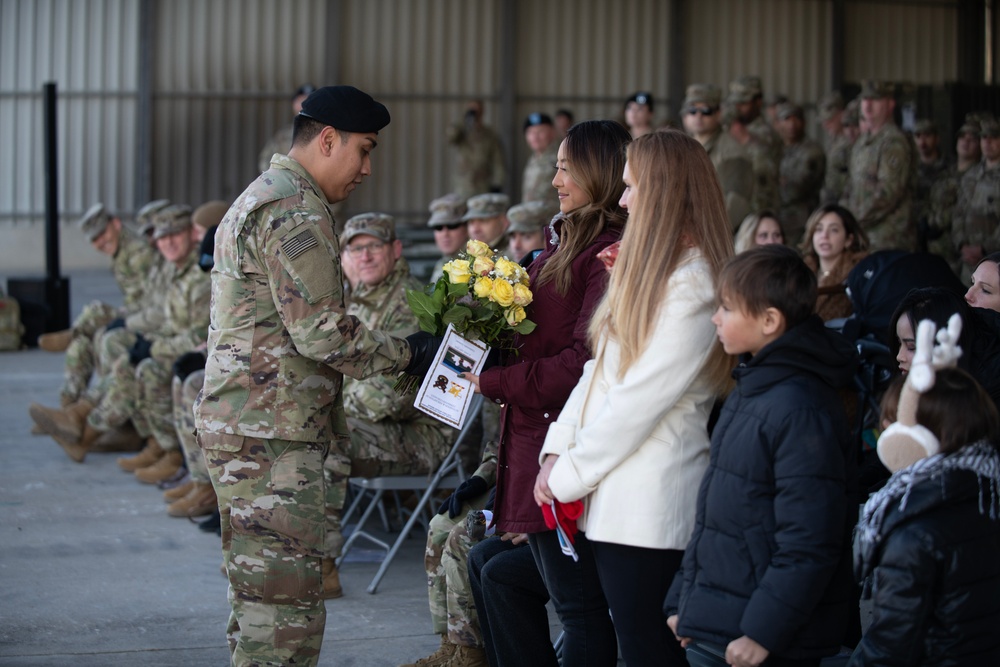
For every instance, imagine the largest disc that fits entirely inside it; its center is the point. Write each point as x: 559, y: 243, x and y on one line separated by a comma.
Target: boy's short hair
x: 770, y: 276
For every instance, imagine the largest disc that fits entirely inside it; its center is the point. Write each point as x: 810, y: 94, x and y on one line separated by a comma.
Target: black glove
x: 423, y: 347
x: 467, y: 490
x: 117, y: 323
x: 494, y: 358
x: 188, y: 363
x: 491, y: 499
x: 139, y: 351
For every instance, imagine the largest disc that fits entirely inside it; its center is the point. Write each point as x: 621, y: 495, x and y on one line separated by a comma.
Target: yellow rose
x: 483, y: 287
x: 514, y: 315
x: 522, y: 295
x: 477, y: 248
x: 502, y: 293
x: 507, y: 268
x: 458, y: 270
x: 482, y: 266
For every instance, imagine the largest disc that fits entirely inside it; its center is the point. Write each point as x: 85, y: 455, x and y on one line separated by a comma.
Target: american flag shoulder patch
x: 298, y: 244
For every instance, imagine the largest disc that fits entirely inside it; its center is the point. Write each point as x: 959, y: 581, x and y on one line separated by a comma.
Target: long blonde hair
x: 678, y: 204
x: 595, y: 150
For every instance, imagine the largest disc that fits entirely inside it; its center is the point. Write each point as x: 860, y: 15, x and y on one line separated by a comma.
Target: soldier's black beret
x: 346, y: 108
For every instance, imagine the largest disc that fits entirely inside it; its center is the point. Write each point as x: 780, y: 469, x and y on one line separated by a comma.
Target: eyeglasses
x: 453, y: 226
x: 372, y: 248
x: 692, y: 111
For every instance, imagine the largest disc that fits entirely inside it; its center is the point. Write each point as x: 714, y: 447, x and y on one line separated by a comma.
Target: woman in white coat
x: 632, y: 441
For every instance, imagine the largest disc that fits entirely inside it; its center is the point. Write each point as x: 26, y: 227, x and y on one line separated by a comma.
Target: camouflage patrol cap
x: 173, y: 219
x: 852, y: 113
x: 641, y: 97
x: 775, y: 99
x: 971, y: 124
x: 702, y: 93
x: 828, y: 105
x: 144, y: 216
x: 345, y: 108
x: 380, y: 225
x: 446, y: 210
x: 989, y: 129
x: 876, y: 90
x: 488, y: 205
x: 531, y: 216
x: 94, y: 222
x: 925, y: 126
x: 533, y: 119
x: 788, y: 109
x: 744, y: 89
x: 209, y: 214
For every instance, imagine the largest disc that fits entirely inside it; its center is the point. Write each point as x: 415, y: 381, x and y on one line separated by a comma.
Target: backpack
x: 11, y: 329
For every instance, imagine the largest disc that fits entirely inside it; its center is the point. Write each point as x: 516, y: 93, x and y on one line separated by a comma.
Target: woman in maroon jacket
x: 567, y: 280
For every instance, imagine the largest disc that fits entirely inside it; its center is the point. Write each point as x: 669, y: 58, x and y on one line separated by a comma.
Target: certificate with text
x: 443, y: 395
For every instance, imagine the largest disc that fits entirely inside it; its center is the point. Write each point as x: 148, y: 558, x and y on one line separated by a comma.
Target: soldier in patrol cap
x: 701, y: 116
x: 882, y: 172
x: 800, y: 176
x: 976, y: 224
x: 932, y: 167
x: 451, y: 232
x: 540, y: 135
x: 832, y: 116
x: 479, y: 160
x: 487, y: 219
x: 639, y: 113
x: 528, y: 221
x: 280, y: 343
x: 748, y: 127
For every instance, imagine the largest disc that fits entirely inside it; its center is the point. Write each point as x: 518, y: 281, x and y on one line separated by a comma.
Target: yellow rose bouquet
x: 481, y: 293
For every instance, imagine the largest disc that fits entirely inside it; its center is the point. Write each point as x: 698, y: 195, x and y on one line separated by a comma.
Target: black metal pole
x: 51, y: 185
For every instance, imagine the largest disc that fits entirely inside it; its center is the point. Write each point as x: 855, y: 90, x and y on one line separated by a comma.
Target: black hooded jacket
x: 770, y: 554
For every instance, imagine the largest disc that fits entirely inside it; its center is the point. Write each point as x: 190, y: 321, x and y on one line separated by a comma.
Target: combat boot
x: 438, y: 657
x: 56, y: 341
x: 178, y: 492
x: 66, y: 423
x: 200, y: 501
x: 149, y: 455
x: 119, y: 439
x: 77, y: 449
x: 164, y: 468
x: 468, y: 656
x: 331, y: 580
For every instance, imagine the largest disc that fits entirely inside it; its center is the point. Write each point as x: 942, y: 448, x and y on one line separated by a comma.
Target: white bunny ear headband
x: 905, y: 442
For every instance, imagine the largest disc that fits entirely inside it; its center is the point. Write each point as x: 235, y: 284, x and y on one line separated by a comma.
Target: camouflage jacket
x: 280, y: 143
x: 838, y: 164
x: 879, y: 188
x: 765, y: 157
x: 940, y: 212
x: 280, y: 341
x: 538, y: 173
x: 977, y: 215
x: 800, y: 179
x: 383, y: 307
x: 132, y: 264
x: 186, y: 304
x: 149, y: 317
x: 736, y: 175
x: 479, y: 165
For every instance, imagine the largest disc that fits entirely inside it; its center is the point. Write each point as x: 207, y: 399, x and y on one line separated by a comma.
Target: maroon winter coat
x: 534, y: 385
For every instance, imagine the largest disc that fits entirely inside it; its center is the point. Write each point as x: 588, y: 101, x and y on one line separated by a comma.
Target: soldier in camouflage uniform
x: 800, y: 176
x: 486, y: 218
x: 453, y: 611
x: 388, y: 435
x: 835, y: 120
x: 882, y: 172
x: 479, y: 161
x: 540, y: 135
x: 282, y: 139
x: 702, y: 118
x: 280, y: 343
x: 932, y: 167
x: 976, y: 225
x: 451, y: 233
x: 527, y: 227
x: 763, y: 144
x: 944, y: 194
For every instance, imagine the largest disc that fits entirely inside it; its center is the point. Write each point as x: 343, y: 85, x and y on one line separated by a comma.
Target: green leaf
x: 525, y: 327
x: 457, y: 315
x: 458, y: 290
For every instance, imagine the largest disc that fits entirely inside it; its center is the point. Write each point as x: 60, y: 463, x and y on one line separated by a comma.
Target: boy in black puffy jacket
x: 767, y: 571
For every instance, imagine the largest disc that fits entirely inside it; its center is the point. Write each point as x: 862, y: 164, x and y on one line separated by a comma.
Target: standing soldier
x: 944, y: 194
x: 977, y: 217
x: 540, y: 135
x: 801, y: 173
x: 763, y: 144
x: 835, y: 120
x: 932, y: 167
x: 279, y: 345
x: 881, y: 173
x: 479, y: 165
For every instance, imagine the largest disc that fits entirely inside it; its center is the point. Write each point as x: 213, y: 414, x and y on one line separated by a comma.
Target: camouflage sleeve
x: 488, y: 467
x: 892, y: 179
x: 147, y: 320
x: 307, y: 288
x: 187, y: 335
x: 765, y: 191
x: 941, y: 207
x: 134, y: 275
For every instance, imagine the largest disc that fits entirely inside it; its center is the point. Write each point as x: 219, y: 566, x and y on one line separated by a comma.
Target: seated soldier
x: 527, y: 228
x: 487, y: 219
x: 388, y: 435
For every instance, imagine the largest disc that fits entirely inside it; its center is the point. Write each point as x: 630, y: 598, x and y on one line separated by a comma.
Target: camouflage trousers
x: 110, y: 347
x: 184, y: 394
x: 81, y: 355
x: 142, y: 394
x: 374, y: 450
x: 453, y: 611
x: 272, y: 501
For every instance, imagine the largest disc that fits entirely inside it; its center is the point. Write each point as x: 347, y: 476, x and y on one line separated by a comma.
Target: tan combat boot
x: 201, y: 501
x: 149, y: 455
x: 468, y: 656
x: 77, y: 449
x: 438, y: 657
x: 164, y: 468
x: 66, y: 423
x: 331, y: 580
x: 119, y: 439
x: 57, y: 341
x: 178, y: 492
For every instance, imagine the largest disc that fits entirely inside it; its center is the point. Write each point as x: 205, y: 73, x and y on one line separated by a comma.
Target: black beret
x: 345, y: 108
x: 537, y: 119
